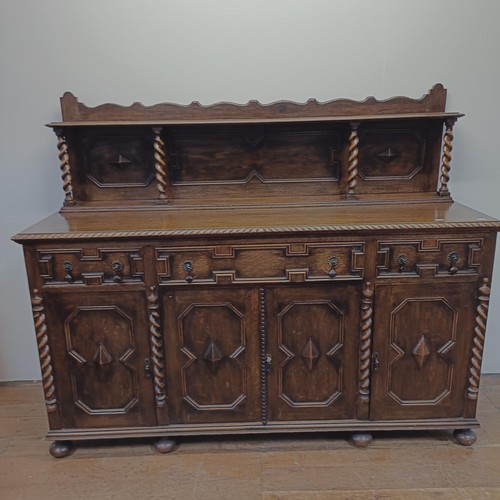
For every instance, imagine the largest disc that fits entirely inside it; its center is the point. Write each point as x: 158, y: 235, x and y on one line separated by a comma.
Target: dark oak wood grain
x: 234, y: 269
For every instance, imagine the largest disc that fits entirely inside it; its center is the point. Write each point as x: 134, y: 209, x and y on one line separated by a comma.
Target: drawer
x: 280, y: 262
x: 428, y: 257
x: 90, y: 265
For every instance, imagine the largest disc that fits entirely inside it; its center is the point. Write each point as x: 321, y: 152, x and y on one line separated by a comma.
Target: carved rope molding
x: 42, y: 339
x: 254, y: 230
x: 352, y: 161
x: 477, y: 350
x: 160, y: 164
x: 65, y: 167
x: 366, y: 343
x: 445, y: 166
x: 156, y: 349
x: 263, y: 355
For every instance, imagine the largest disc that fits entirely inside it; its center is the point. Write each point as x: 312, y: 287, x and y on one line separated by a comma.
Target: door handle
x: 147, y: 368
x: 269, y: 362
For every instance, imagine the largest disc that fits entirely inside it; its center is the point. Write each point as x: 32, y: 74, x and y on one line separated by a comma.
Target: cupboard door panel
x: 312, y: 337
x: 212, y: 343
x: 422, y: 334
x: 100, y: 341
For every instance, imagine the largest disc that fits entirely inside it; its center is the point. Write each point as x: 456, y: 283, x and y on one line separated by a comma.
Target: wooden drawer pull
x: 117, y: 268
x: 453, y: 259
x: 333, y: 262
x: 188, y: 268
x: 402, y: 261
x: 68, y: 267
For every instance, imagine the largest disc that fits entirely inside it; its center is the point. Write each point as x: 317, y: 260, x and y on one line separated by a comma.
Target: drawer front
x: 280, y: 262
x: 90, y: 265
x: 428, y: 257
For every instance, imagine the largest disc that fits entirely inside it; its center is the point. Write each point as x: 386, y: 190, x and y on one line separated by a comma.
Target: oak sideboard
x: 259, y: 268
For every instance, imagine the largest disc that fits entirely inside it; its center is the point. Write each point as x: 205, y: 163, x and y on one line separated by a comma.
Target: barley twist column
x: 65, y: 167
x: 352, y: 161
x: 445, y: 166
x: 156, y: 348
x: 160, y: 164
x: 42, y: 339
x: 366, y: 343
x: 477, y: 350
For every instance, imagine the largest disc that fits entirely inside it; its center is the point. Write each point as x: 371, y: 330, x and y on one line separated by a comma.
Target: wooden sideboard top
x: 344, y: 218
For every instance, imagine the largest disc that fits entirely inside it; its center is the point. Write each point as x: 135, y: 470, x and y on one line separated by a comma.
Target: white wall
x: 152, y: 51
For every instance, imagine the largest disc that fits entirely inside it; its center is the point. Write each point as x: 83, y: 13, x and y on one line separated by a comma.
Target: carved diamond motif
x: 310, y: 354
x: 421, y: 352
x: 388, y: 155
x: 213, y: 355
x: 121, y: 161
x: 102, y: 356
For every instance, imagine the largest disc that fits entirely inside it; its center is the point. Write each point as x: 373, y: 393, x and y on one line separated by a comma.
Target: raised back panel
x: 254, y: 154
x: 114, y: 164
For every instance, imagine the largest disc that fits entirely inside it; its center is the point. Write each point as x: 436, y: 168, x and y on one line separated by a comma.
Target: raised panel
x: 310, y: 348
x: 119, y: 161
x: 100, y: 345
x: 101, y: 341
x: 422, y: 334
x: 390, y: 154
x: 113, y: 164
x: 261, y: 154
x: 312, y: 335
x: 212, y: 343
x: 212, y: 337
x: 421, y: 329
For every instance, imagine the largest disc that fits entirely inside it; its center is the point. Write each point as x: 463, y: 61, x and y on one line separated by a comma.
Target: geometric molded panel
x: 91, y: 265
x: 210, y: 379
x: 119, y: 162
x: 422, y: 332
x: 100, y: 340
x: 390, y: 154
x: 309, y: 335
x: 247, y: 155
x: 428, y: 257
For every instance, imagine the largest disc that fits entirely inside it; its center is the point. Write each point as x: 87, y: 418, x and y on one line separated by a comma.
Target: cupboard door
x: 211, y: 341
x: 100, y: 343
x: 312, y: 338
x: 422, y: 337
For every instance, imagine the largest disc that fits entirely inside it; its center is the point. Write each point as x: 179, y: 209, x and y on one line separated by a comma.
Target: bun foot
x: 465, y: 437
x: 361, y: 439
x: 165, y: 445
x: 60, y: 449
